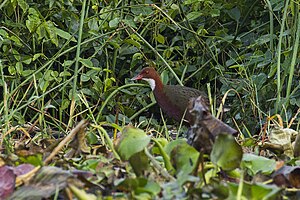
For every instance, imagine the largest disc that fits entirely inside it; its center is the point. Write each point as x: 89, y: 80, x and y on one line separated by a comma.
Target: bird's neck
x: 155, y: 84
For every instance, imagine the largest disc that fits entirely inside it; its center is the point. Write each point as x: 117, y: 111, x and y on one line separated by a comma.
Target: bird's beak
x: 137, y: 77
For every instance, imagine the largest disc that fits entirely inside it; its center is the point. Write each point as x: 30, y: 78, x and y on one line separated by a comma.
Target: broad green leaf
x: 54, y: 74
x: 114, y: 23
x: 51, y: 30
x: 68, y: 63
x: 259, y: 80
x: 144, y: 10
x: 36, y: 159
x: 33, y: 20
x: 87, y: 62
x: 183, y: 156
x: 16, y: 54
x: 65, y: 73
x: 27, y: 60
x: 139, y: 163
x: 256, y: 191
x: 258, y: 164
x: 84, y: 78
x: 65, y: 104
x: 130, y: 22
x: 43, y: 84
x: 193, y: 15
x: 16, y: 40
x: 164, y: 152
x: 226, y: 152
x: 19, y: 67
x: 135, y: 59
x: 132, y: 141
x: 48, y: 76
x: 235, y: 13
x: 12, y: 70
x: 133, y: 42
x: 28, y: 72
x: 64, y: 34
x: 160, y: 38
x: 23, y: 5
x: 37, y: 55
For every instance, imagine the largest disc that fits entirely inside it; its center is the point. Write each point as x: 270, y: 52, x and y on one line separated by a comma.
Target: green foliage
x: 258, y: 164
x: 132, y: 141
x: 60, y: 62
x: 231, y: 157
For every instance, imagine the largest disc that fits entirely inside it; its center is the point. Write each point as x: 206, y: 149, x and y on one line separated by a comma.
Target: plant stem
x: 279, y: 88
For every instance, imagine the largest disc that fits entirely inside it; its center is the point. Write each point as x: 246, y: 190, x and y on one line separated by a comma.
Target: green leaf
x: 84, y: 78
x: 51, y: 30
x: 132, y: 141
x: 37, y: 55
x: 114, y: 23
x: 27, y: 60
x: 255, y: 164
x: 19, y: 67
x: 16, y: 54
x: 28, y: 72
x: 235, y: 13
x: 33, y: 20
x: 16, y: 40
x: 23, y: 5
x: 36, y: 159
x: 135, y: 59
x: 259, y: 80
x: 183, y: 156
x: 64, y: 34
x: 65, y: 73
x: 139, y: 162
x: 165, y: 77
x: 65, y: 104
x: 256, y: 191
x: 193, y: 15
x: 87, y: 62
x: 226, y: 152
x: 144, y: 10
x: 12, y: 70
x: 44, y: 85
x: 160, y: 38
x: 68, y: 63
x: 133, y: 42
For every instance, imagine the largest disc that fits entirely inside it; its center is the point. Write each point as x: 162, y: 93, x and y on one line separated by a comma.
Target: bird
x: 172, y: 99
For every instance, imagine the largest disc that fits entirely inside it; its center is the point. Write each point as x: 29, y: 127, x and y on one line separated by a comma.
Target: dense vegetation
x: 67, y: 60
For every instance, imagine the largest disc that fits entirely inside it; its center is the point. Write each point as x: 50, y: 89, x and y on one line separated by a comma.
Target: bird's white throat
x: 151, y: 82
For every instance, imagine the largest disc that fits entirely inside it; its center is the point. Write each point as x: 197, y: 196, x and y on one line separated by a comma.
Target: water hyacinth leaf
x: 132, y: 141
x: 183, y: 156
x: 226, y: 152
x: 255, y: 164
x: 256, y: 191
x: 139, y: 185
x: 139, y: 163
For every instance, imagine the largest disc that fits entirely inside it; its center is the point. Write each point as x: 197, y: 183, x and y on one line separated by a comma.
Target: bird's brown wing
x: 179, y: 96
